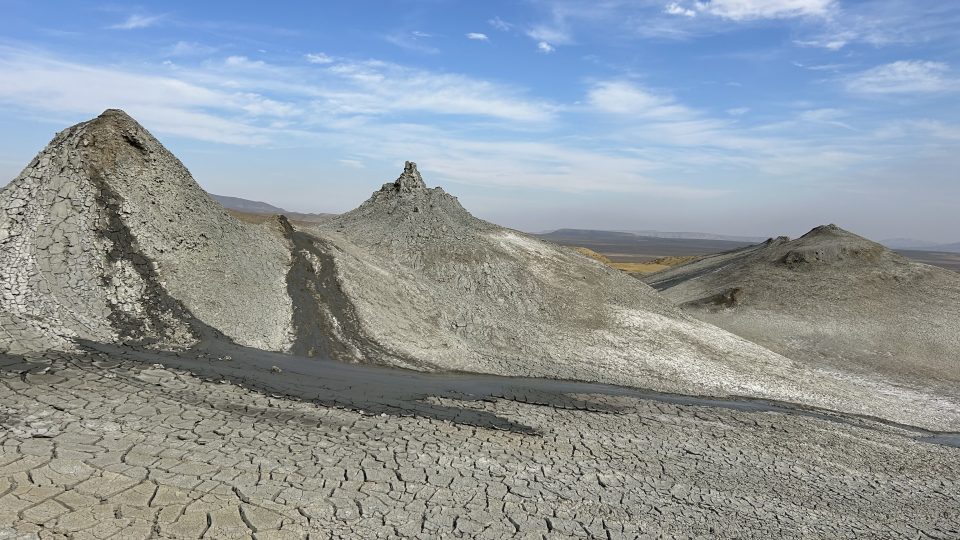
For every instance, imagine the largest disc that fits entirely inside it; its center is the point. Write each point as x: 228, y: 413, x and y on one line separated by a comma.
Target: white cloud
x: 134, y: 22
x: 500, y: 24
x: 374, y: 87
x: 738, y: 111
x: 188, y: 48
x: 168, y: 104
x: 832, y: 42
x: 355, y: 163
x: 828, y: 116
x: 413, y: 41
x: 550, y: 34
x: 243, y: 62
x: 674, y: 8
x: 545, y: 47
x: 477, y: 36
x: 904, y: 77
x: 739, y: 10
x: 625, y: 98
x: 318, y: 58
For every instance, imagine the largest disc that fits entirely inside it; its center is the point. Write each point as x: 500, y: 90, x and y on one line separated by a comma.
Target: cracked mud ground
x: 100, y: 449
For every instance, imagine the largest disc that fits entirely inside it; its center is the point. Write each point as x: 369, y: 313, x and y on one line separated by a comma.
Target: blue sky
x: 754, y: 117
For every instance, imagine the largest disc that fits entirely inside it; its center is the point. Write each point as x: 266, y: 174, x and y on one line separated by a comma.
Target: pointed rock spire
x: 409, y: 180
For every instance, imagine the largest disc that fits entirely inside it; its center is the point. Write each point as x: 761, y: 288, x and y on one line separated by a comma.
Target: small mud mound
x: 726, y: 299
x: 833, y: 299
x: 829, y: 244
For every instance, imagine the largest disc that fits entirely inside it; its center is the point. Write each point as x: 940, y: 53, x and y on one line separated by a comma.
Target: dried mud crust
x: 94, y: 448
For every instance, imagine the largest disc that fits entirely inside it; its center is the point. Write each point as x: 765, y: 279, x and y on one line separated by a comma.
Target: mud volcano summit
x: 405, y: 369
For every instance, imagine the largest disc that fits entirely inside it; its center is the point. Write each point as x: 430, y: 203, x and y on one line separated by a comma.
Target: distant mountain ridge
x: 920, y: 245
x: 245, y: 205
x: 699, y: 236
x: 674, y: 235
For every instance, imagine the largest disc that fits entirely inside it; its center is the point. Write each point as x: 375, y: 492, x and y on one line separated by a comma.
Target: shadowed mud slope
x: 832, y: 299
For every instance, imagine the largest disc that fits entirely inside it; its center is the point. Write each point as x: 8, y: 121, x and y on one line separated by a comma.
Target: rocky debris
x: 836, y: 300
x: 149, y: 453
x: 440, y: 289
x: 106, y: 237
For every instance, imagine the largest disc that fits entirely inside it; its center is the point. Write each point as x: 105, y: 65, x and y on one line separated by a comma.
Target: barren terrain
x: 170, y: 369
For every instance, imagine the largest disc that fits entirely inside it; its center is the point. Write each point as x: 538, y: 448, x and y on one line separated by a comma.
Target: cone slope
x: 107, y: 237
x: 832, y: 299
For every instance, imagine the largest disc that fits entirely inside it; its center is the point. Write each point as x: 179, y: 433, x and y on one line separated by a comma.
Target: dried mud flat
x: 96, y: 447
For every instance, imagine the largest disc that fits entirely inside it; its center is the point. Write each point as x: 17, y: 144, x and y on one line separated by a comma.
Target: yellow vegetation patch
x: 640, y: 268
x: 648, y: 267
x: 593, y: 255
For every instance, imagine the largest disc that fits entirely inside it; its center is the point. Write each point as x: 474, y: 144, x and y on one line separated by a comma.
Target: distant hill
x: 912, y: 244
x: 247, y: 206
x: 244, y: 205
x: 700, y: 236
x: 906, y: 243
x: 949, y: 248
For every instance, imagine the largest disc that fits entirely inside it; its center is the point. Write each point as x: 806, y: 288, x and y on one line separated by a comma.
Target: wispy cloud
x: 628, y: 138
x: 625, y: 98
x: 550, y: 34
x: 318, y: 58
x: 477, y: 36
x: 189, y: 48
x: 375, y: 87
x: 904, y: 77
x: 740, y: 10
x: 829, y: 116
x: 545, y: 47
x: 412, y: 41
x: 673, y: 8
x: 168, y: 104
x: 243, y: 62
x: 500, y: 24
x: 134, y: 22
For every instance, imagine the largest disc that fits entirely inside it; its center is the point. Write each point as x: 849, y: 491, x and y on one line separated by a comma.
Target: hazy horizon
x: 746, y: 117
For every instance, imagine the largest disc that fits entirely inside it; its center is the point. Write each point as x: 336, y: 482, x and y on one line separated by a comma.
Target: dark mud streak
x: 311, y: 325
x: 374, y: 389
x: 334, y: 332
x: 124, y: 247
x: 662, y: 285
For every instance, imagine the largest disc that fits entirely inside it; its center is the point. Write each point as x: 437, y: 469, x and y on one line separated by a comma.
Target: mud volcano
x: 106, y: 237
x: 833, y: 299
